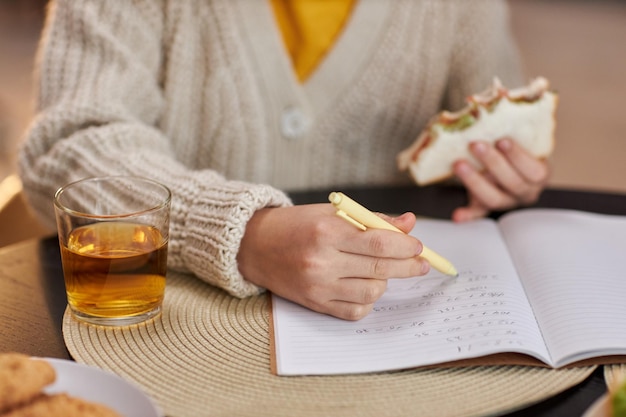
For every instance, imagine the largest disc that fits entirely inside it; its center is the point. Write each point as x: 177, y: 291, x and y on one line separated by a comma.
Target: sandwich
x: 526, y: 115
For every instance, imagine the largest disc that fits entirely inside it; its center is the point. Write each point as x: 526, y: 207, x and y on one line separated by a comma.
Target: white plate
x: 96, y: 385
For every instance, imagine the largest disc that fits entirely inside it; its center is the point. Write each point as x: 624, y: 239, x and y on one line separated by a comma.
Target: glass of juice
x: 113, y: 233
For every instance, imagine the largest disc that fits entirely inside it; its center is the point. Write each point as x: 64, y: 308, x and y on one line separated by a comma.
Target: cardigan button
x: 294, y: 123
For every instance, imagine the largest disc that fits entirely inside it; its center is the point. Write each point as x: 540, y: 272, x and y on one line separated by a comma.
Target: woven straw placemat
x: 208, y: 354
x: 614, y: 374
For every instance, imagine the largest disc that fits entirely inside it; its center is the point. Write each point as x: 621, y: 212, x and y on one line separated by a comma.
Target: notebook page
x: 422, y: 320
x: 575, y: 276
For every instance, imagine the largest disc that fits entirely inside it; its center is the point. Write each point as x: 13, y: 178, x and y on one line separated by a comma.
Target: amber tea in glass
x: 114, y: 248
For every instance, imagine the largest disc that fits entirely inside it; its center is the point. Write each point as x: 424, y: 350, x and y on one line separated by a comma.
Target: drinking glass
x: 113, y: 233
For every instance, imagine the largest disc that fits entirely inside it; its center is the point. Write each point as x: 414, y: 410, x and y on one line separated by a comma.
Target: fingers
x: 511, y: 177
x: 355, y: 297
x: 379, y: 243
x: 508, y: 176
x: 533, y: 170
x: 472, y: 211
x: 405, y: 222
x: 482, y: 189
x: 352, y: 297
x: 329, y: 265
x: 374, y: 254
x: 344, y: 310
x: 362, y: 268
x: 346, y: 298
x: 381, y: 268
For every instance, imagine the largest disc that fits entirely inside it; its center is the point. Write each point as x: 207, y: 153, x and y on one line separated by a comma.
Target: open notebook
x: 548, y: 284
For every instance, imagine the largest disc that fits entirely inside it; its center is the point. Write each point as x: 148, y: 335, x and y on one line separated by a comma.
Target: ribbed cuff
x: 215, y: 225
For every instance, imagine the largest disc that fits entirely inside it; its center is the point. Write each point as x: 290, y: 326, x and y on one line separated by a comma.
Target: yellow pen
x: 362, y: 218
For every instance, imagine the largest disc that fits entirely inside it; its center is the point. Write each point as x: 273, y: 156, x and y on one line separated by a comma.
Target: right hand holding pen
x: 309, y: 255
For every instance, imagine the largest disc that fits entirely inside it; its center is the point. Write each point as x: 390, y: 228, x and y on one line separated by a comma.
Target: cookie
x: 22, y: 379
x: 61, y: 405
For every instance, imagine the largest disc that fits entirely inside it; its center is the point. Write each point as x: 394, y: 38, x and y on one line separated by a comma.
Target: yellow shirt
x: 309, y: 29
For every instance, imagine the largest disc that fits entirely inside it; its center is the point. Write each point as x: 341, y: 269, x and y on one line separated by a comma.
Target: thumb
x: 468, y: 213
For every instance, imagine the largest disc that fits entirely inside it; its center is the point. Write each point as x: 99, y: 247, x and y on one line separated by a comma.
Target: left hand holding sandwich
x: 511, y: 177
x: 496, y: 146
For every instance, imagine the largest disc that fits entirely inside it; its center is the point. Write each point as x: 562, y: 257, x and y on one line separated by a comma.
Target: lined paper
x: 421, y: 320
x: 575, y: 278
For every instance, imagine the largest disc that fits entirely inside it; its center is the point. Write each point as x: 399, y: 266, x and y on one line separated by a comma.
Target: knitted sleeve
x: 484, y: 48
x: 99, y: 102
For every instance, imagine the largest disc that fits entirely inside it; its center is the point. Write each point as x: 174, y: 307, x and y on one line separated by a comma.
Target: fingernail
x: 479, y: 148
x: 419, y: 249
x: 462, y: 168
x: 504, y: 145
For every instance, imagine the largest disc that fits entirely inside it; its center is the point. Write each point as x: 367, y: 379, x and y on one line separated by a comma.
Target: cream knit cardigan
x: 200, y: 95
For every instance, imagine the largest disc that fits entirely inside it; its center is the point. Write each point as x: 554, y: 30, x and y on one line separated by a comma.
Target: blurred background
x: 579, y: 45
